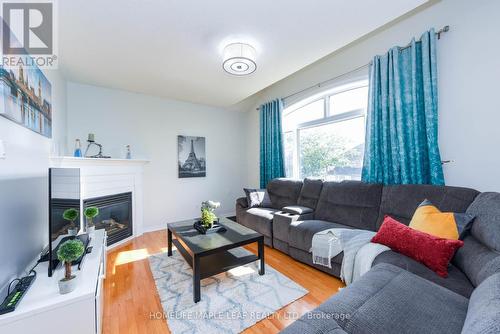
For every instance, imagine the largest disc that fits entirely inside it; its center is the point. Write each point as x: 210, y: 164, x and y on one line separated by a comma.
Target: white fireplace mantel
x: 104, y: 177
x: 95, y: 162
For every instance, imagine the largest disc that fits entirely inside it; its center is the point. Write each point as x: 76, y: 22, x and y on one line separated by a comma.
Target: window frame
x: 327, y: 118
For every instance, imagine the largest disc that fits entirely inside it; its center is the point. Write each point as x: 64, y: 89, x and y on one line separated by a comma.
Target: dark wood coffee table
x: 210, y: 254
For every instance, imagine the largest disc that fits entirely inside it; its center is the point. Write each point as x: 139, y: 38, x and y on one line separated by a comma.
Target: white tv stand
x: 44, y: 310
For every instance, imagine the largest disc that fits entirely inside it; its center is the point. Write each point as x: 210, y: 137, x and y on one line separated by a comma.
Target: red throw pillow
x: 432, y: 251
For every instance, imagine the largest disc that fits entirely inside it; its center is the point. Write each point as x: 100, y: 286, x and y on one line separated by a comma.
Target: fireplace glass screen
x: 115, y: 215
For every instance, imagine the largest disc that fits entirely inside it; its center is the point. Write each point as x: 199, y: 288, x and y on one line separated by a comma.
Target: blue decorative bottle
x: 78, y: 149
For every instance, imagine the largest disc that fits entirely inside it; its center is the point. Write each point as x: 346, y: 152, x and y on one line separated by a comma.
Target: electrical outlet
x: 2, y: 150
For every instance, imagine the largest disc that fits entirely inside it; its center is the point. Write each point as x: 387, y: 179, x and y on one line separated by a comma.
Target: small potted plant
x: 71, y: 215
x: 90, y: 213
x: 208, y: 218
x: 68, y: 252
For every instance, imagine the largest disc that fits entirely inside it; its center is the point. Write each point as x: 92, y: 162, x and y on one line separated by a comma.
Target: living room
x: 306, y: 167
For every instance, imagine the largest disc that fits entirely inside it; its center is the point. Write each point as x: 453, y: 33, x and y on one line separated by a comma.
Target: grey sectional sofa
x: 399, y: 294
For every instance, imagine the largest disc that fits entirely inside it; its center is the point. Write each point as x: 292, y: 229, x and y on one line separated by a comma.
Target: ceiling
x: 173, y: 48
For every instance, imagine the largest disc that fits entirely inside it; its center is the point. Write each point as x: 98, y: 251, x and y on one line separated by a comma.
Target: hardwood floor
x: 130, y: 294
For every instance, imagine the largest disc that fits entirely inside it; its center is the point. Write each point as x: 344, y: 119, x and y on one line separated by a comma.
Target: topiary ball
x: 91, y: 212
x: 70, y: 214
x: 70, y: 250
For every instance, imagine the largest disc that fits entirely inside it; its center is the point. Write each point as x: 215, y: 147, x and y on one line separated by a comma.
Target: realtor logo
x: 28, y: 33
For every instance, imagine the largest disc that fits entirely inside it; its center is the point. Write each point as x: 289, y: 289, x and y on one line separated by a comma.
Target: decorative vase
x: 91, y: 229
x: 73, y: 231
x: 89, y: 226
x: 67, y: 285
x: 214, y: 227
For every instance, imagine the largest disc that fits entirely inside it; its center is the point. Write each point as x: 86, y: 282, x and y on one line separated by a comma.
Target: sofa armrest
x: 283, y: 220
x: 297, y: 210
x: 242, y: 202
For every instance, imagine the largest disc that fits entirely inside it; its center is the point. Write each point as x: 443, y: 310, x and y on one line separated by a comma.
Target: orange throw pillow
x: 429, y: 219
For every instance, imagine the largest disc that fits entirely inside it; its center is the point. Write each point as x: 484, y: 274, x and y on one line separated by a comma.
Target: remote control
x: 10, y: 303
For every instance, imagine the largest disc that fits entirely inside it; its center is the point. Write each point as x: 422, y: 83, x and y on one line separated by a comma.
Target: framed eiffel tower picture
x: 191, y: 156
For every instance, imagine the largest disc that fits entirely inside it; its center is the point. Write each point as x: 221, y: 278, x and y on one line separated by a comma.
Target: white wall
x: 24, y: 186
x: 469, y: 68
x: 151, y: 125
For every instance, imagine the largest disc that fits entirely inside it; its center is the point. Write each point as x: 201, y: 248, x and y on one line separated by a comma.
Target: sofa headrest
x: 486, y: 226
x: 310, y: 192
x: 401, y: 201
x: 284, y: 192
x: 479, y: 258
x: 351, y: 203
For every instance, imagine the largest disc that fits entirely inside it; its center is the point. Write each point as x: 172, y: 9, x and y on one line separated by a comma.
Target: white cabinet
x: 44, y: 310
x: 99, y: 295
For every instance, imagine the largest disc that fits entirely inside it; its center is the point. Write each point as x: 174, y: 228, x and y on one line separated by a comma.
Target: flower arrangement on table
x: 208, y: 221
x: 208, y: 216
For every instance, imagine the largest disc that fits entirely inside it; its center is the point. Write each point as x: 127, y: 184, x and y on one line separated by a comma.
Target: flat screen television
x: 64, y: 195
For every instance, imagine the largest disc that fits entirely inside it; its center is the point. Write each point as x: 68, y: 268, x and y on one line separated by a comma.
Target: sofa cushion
x: 258, y: 219
x: 310, y: 192
x: 483, y: 314
x: 401, y: 201
x: 350, y: 203
x: 486, y: 226
x: 284, y: 192
x: 389, y: 300
x: 456, y: 280
x: 301, y: 233
x: 480, y: 256
x: 297, y: 209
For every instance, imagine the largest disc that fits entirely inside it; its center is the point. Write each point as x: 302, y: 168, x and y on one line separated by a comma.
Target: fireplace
x: 115, y: 215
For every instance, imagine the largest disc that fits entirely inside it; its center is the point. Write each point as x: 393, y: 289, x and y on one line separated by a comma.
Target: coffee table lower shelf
x: 209, y: 255
x: 217, y: 263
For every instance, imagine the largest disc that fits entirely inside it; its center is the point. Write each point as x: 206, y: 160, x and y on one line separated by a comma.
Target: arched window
x: 324, y: 134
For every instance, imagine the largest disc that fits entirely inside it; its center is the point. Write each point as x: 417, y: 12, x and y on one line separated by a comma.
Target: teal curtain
x: 402, y: 121
x: 271, y: 142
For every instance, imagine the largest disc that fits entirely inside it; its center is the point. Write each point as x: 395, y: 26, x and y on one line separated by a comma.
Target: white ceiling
x: 172, y: 48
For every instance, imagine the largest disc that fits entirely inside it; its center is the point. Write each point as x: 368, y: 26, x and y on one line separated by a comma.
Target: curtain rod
x: 438, y: 33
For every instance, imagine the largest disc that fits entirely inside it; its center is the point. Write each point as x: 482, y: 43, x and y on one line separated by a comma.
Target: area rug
x: 230, y: 302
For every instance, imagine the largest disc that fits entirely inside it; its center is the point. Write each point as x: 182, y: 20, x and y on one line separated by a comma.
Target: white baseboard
x: 154, y: 228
